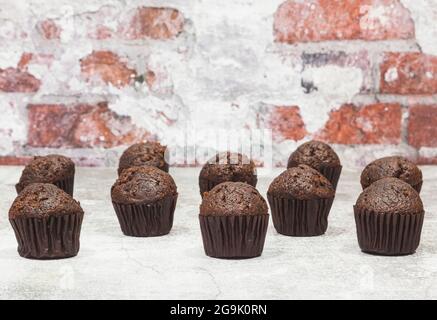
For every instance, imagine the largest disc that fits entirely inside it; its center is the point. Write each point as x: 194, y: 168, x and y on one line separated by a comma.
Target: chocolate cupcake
x: 300, y: 199
x: 54, y: 169
x: 144, y: 199
x: 319, y: 156
x: 227, y: 167
x: 233, y: 221
x: 392, y: 167
x: 144, y: 154
x: 389, y: 216
x: 47, y: 222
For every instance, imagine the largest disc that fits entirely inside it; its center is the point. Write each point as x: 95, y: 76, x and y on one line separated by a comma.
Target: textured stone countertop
x: 110, y: 265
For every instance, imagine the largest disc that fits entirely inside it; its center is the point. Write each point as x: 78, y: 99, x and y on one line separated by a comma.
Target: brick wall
x: 88, y: 78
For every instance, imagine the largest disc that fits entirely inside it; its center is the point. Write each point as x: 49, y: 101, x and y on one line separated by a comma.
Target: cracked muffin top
x: 47, y: 169
x: 390, y: 195
x: 143, y: 185
x: 41, y: 200
x: 229, y: 166
x: 233, y: 199
x: 144, y: 154
x: 394, y: 167
x: 303, y: 183
x: 315, y: 154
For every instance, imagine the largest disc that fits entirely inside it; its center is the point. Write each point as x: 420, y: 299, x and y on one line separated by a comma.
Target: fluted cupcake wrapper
x: 146, y: 220
x: 300, y: 218
x: 234, y: 237
x: 332, y: 174
x: 206, y: 185
x: 54, y: 237
x: 66, y: 184
x: 388, y: 234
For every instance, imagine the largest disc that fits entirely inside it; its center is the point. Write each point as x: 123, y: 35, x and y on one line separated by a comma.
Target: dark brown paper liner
x: 206, y: 185
x: 300, y: 218
x: 234, y: 237
x: 54, y: 237
x: 146, y: 220
x: 66, y: 184
x: 332, y: 174
x: 388, y: 234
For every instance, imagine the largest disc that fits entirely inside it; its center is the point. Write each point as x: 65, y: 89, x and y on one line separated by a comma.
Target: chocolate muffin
x: 319, y: 156
x: 144, y: 199
x: 227, y: 167
x: 233, y: 221
x: 144, y: 154
x: 389, y: 217
x: 47, y: 222
x: 54, y: 169
x: 394, y: 167
x: 300, y: 199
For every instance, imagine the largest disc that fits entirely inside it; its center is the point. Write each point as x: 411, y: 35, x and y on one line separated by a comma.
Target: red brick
x: 15, y: 80
x: 426, y: 160
x: 109, y: 67
x: 90, y: 161
x: 31, y: 58
x: 422, y: 126
x: 323, y: 20
x: 408, y: 73
x: 158, y: 80
x: 101, y: 33
x: 286, y: 123
x: 14, y: 160
x: 150, y: 78
x: 25, y: 59
x: 359, y: 59
x: 100, y: 24
x: 80, y: 126
x: 49, y: 29
x: 155, y: 23
x: 371, y: 124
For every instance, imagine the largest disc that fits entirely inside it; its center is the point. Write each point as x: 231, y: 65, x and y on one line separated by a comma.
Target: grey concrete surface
x: 111, y: 266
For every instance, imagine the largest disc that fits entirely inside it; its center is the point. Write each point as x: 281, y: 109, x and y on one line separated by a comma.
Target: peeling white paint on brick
x: 391, y: 75
x: 335, y: 87
x: 372, y: 16
x: 214, y: 76
x: 12, y: 128
x: 424, y: 14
